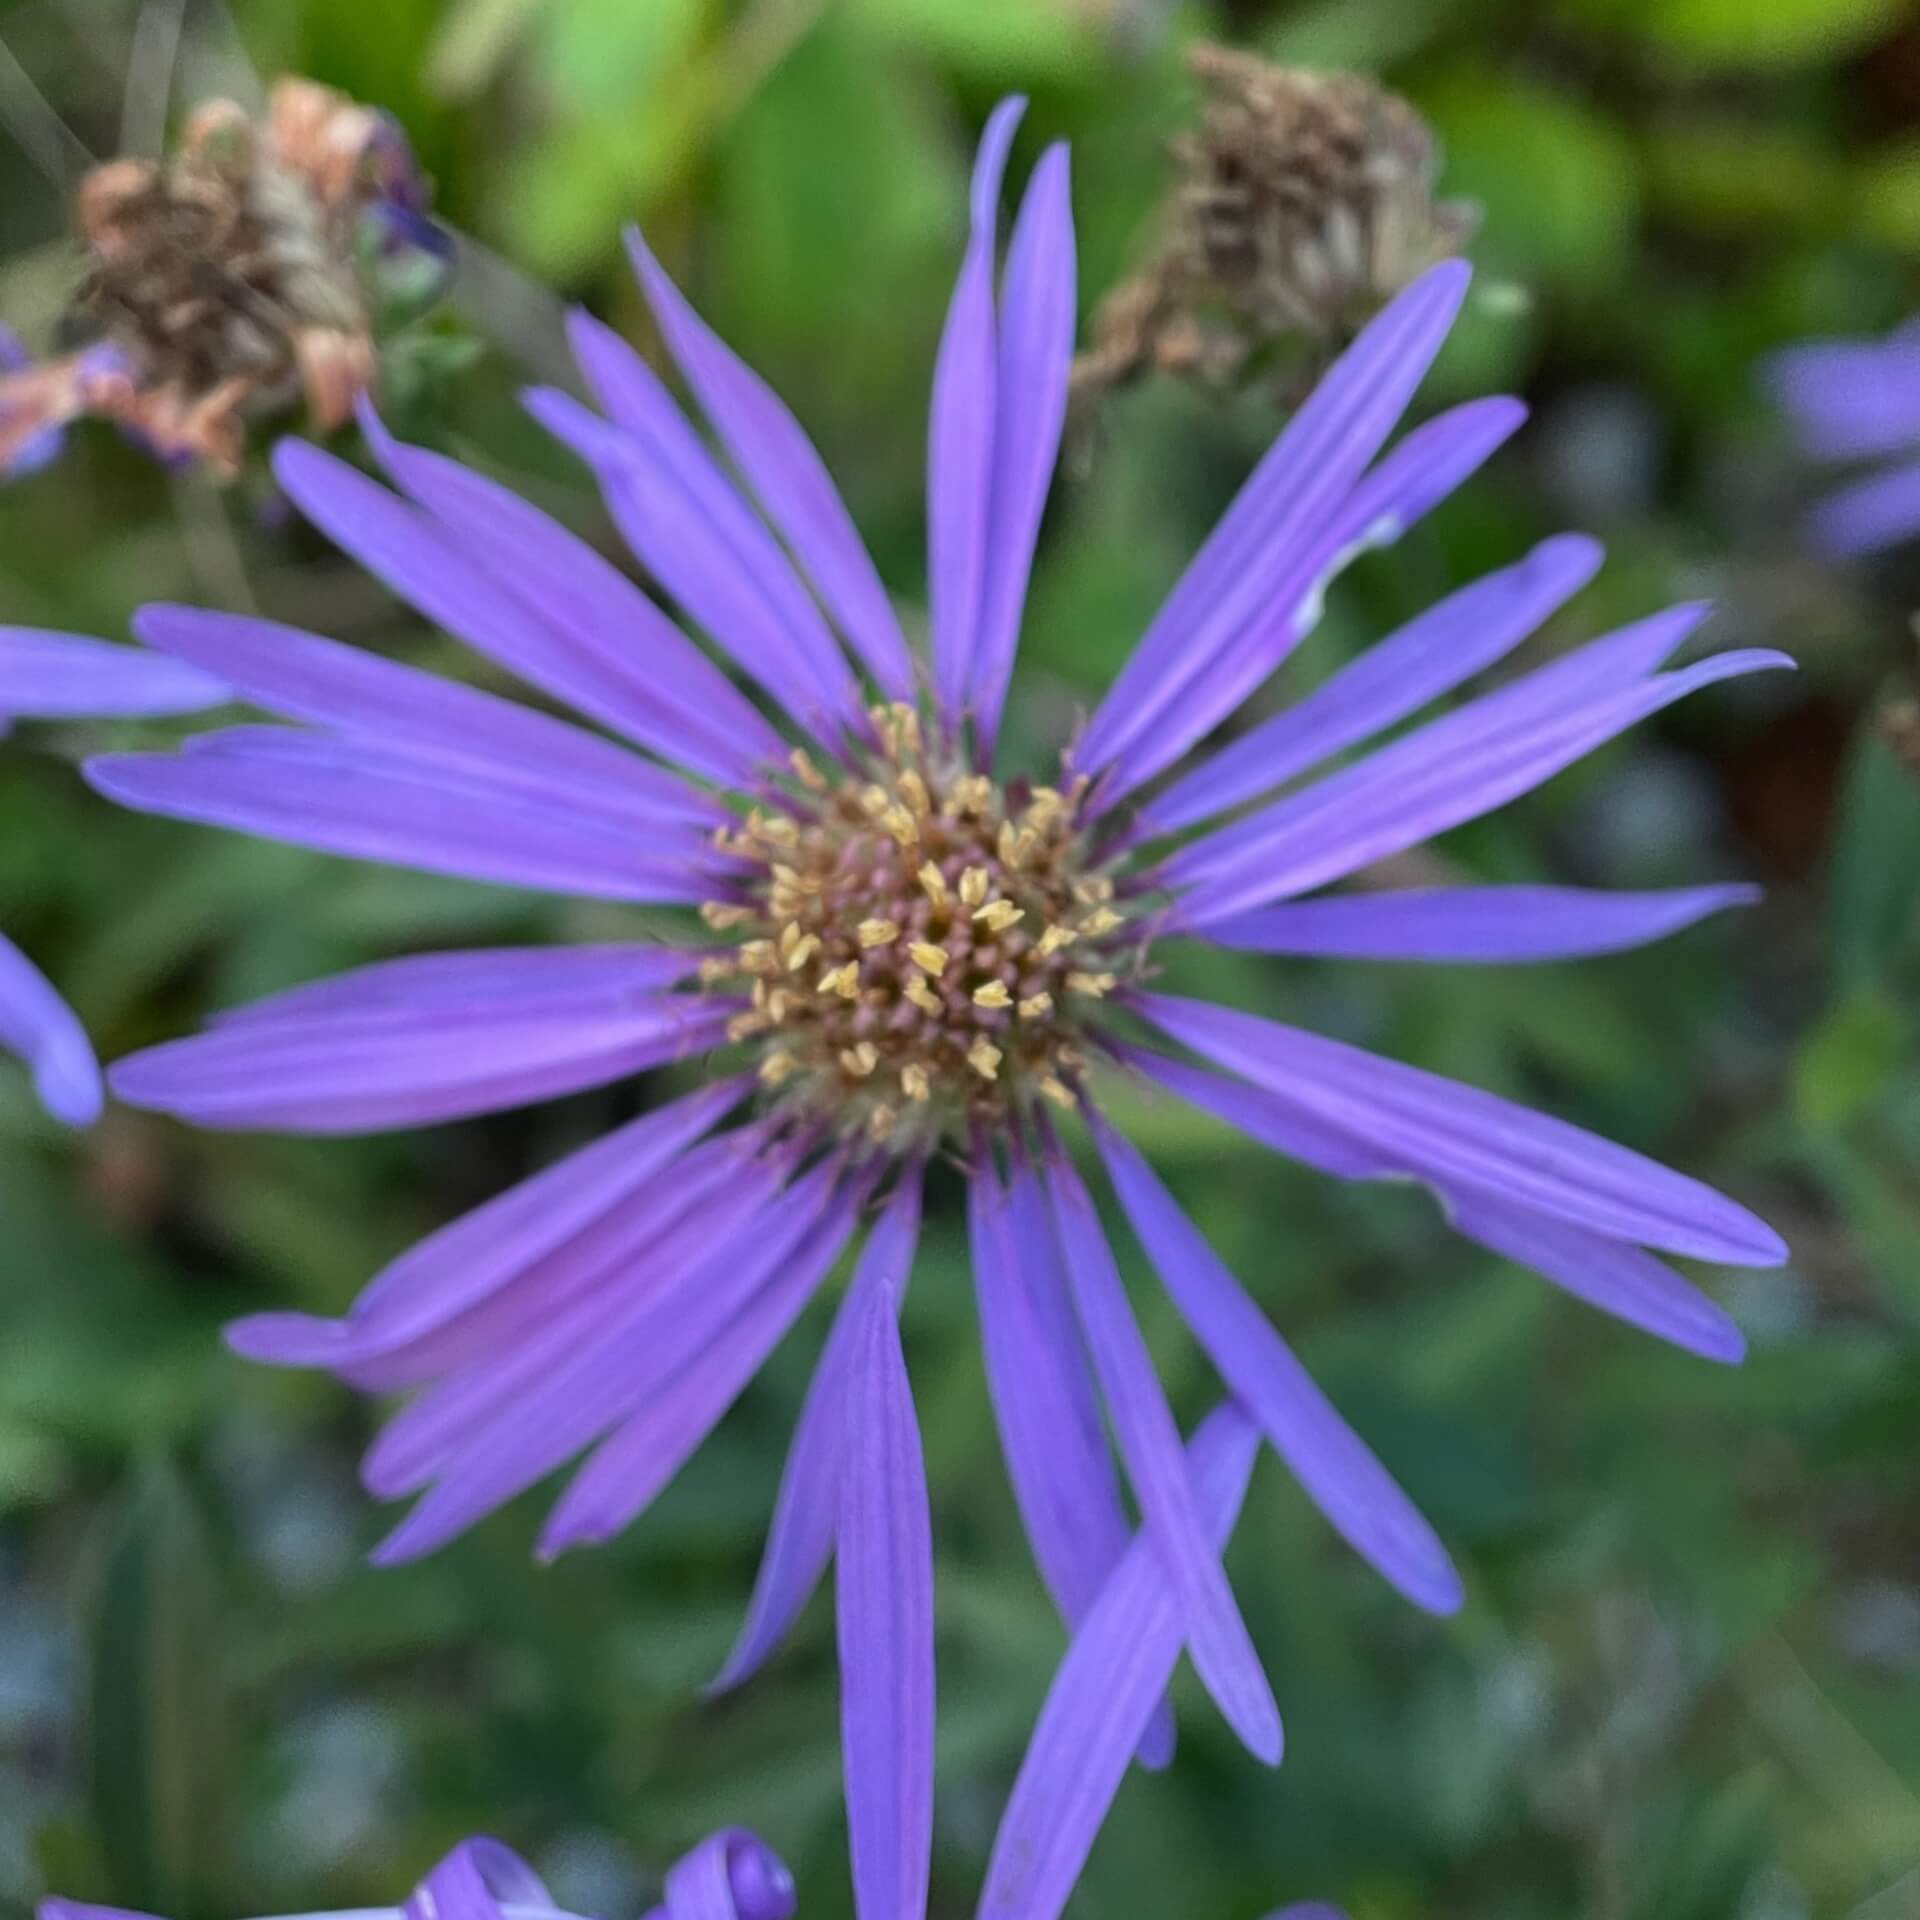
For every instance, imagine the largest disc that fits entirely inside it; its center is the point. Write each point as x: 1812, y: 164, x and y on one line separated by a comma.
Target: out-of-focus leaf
x: 1887, y: 198
x: 1558, y: 179
x: 1748, y: 33
x: 472, y: 42
x: 1740, y: 176
x: 1008, y: 41
x: 1875, y: 904
x: 156, y: 1735
x: 1848, y: 1059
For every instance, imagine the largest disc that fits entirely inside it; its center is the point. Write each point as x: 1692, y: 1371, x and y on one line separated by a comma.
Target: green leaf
x: 1847, y: 1060
x: 1756, y: 33
x: 155, y: 1734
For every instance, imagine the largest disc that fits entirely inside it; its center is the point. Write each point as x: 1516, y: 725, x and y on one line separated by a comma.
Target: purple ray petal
x: 474, y: 1882
x: 1870, y: 514
x: 722, y: 561
x: 1035, y: 351
x: 583, y: 1397
x: 731, y: 1875
x: 1223, y: 1655
x: 1308, y: 1910
x: 1481, y: 925
x: 85, y: 1910
x: 1045, y: 1404
x: 436, y: 819
x: 302, y: 677
x: 1297, y: 488
x: 884, y: 1610
x: 671, y: 540
x: 59, y: 676
x: 1850, y: 399
x: 960, y: 434
x: 1105, y: 1693
x: 483, y: 1364
x: 1465, y: 633
x: 1631, y: 1285
x: 472, y: 1258
x: 41, y: 1028
x: 1448, y: 772
x: 615, y: 976
x: 800, y: 1541
x: 1458, y: 1136
x: 616, y: 657
x: 1329, y: 1459
x: 629, y: 1468
x: 1208, y: 686
x: 369, y: 1072
x: 787, y: 476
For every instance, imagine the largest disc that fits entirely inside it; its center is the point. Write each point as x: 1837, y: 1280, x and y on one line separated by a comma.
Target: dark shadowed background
x: 1686, y: 1685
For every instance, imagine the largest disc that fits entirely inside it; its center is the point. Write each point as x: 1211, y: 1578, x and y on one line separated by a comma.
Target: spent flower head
x: 226, y: 280
x: 1302, y: 203
x: 898, y: 950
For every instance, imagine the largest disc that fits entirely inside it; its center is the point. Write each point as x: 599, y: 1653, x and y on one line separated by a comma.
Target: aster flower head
x: 225, y: 281
x: 59, y: 676
x: 731, y: 1875
x: 906, y: 954
x: 1857, y: 403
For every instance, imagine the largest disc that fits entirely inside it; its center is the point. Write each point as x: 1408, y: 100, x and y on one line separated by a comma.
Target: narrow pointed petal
x: 1035, y: 353
x: 1333, y: 1464
x: 616, y: 657
x: 601, y: 1384
x: 1456, y: 1136
x: 483, y: 1364
x: 731, y: 1875
x: 960, y: 434
x: 723, y: 567
x: 800, y: 1541
x: 1045, y: 1404
x: 884, y: 1610
x: 628, y: 1470
x: 300, y: 676
x: 1223, y: 1654
x: 1631, y: 1285
x: 1430, y: 656
x: 60, y: 676
x: 1447, y: 773
x: 1295, y: 491
x: 1105, y: 1693
x: 474, y: 1257
x: 1207, y: 687
x: 1850, y: 399
x: 1487, y: 926
x: 683, y: 551
x: 370, y: 1072
x: 41, y: 1028
x: 1870, y: 514
x: 615, y: 976
x: 326, y: 795
x: 787, y: 476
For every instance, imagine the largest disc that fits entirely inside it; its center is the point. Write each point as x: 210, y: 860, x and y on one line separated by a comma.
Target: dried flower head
x: 1302, y: 203
x: 226, y: 280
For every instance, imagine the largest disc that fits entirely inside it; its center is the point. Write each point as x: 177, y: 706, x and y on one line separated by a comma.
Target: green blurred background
x: 1686, y: 1685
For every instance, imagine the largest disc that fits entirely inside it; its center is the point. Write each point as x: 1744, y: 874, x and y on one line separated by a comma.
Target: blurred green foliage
x: 1687, y: 1682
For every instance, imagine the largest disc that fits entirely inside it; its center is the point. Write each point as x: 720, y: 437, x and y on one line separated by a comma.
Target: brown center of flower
x: 923, y: 948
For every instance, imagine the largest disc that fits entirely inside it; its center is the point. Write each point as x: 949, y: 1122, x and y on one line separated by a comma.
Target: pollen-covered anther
x: 933, y: 883
x: 844, y: 981
x: 1102, y: 920
x: 1096, y: 984
x: 723, y: 915
x: 973, y: 886
x: 797, y: 948
x: 923, y: 996
x: 998, y: 915
x: 877, y: 933
x: 880, y: 1124
x: 1093, y: 889
x: 913, y: 790
x: 759, y: 956
x: 1057, y: 1090
x: 743, y: 1026
x: 984, y: 1058
x: 993, y: 994
x: 860, y: 1061
x: 914, y: 1082
x: 1054, y: 939
x: 806, y: 772
x: 777, y: 1068
x: 1036, y: 1006
x: 928, y: 958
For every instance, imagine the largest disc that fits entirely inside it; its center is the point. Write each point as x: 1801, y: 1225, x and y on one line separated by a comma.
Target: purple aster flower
x: 914, y: 957
x: 56, y: 676
x: 1858, y: 402
x: 730, y: 1876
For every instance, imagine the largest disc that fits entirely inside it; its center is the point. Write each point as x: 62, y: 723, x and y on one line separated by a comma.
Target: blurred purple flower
x: 918, y: 960
x: 1858, y: 401
x: 729, y: 1876
x: 56, y: 676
